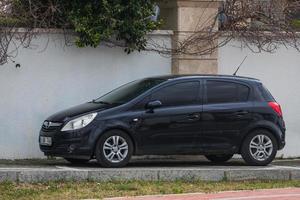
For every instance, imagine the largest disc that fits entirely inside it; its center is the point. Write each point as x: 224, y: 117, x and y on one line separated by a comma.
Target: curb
x: 159, y: 174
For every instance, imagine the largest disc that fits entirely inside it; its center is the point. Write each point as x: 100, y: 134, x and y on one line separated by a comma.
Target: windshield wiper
x: 101, y: 102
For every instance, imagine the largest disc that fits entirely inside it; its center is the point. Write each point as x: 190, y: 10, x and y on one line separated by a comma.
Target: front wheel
x: 114, y: 149
x: 219, y: 158
x: 259, y: 148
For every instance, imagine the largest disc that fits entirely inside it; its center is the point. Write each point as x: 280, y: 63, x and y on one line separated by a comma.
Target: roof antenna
x: 234, y: 74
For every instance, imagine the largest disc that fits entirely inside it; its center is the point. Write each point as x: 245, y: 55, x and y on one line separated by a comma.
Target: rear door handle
x: 194, y: 116
x: 241, y: 113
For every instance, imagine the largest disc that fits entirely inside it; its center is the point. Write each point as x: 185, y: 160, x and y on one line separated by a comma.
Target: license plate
x: 45, y: 141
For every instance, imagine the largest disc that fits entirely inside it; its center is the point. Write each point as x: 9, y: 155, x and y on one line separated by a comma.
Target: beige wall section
x: 186, y: 17
x: 195, y: 66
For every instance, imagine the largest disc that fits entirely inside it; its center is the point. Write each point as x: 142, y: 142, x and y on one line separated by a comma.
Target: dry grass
x: 99, y: 190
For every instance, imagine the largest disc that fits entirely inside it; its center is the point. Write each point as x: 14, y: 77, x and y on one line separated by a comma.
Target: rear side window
x: 265, y: 93
x: 226, y: 92
x: 178, y: 94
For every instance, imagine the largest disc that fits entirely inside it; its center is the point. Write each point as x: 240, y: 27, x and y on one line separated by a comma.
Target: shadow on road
x: 164, y: 163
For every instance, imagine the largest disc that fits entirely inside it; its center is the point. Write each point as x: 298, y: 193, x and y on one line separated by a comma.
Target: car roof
x: 214, y: 76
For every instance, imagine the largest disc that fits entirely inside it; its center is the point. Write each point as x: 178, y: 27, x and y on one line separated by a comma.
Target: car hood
x: 78, y: 110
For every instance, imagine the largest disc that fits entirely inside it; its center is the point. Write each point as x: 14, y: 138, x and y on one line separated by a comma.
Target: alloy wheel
x: 261, y: 147
x: 115, y: 149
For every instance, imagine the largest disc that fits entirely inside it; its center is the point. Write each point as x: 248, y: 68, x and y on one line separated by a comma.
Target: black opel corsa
x: 212, y: 115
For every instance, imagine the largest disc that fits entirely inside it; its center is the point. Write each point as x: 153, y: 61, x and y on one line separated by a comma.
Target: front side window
x: 226, y: 92
x: 178, y: 94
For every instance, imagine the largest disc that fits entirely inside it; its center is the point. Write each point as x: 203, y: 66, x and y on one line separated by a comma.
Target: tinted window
x: 265, y: 93
x: 141, y: 104
x: 178, y: 94
x: 129, y: 91
x: 226, y: 92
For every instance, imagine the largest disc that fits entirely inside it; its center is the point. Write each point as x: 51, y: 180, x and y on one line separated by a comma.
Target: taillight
x: 276, y: 107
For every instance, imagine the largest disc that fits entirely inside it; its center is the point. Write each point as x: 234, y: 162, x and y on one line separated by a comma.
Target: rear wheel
x: 114, y: 149
x: 76, y: 161
x: 219, y: 158
x: 259, y: 148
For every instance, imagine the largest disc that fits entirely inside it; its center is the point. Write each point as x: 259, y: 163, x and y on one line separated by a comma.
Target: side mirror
x: 153, y: 104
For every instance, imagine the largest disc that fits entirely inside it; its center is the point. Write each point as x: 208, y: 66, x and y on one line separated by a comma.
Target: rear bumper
x: 281, y: 145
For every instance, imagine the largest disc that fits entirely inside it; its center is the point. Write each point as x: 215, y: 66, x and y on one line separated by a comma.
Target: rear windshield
x: 266, y: 94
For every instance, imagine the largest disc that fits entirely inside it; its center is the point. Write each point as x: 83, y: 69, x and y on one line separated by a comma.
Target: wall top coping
x: 61, y: 31
x: 162, y: 32
x: 190, y: 3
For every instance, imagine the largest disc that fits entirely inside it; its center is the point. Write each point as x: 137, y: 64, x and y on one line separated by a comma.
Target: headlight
x: 79, y: 122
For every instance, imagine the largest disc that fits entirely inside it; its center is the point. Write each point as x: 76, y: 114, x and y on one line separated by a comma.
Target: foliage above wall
x: 126, y: 22
x: 94, y: 20
x: 262, y: 26
x: 296, y: 23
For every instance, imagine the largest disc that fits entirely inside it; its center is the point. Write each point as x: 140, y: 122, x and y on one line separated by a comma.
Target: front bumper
x: 71, y: 144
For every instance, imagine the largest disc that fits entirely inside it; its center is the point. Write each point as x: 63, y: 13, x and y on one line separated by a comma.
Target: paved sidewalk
x: 273, y: 194
x: 152, y: 170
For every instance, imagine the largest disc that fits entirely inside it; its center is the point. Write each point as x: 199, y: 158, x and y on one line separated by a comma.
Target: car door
x: 173, y: 127
x: 226, y: 111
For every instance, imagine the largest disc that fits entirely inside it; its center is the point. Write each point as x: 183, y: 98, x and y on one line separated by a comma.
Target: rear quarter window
x: 265, y: 93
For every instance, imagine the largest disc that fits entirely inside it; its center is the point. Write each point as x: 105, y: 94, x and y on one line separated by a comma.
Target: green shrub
x: 94, y: 21
x: 296, y: 23
x: 10, y: 21
x: 126, y: 20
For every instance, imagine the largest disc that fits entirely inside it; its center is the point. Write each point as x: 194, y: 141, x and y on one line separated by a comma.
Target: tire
x: 114, y: 149
x: 260, y: 153
x: 219, y: 158
x: 76, y: 161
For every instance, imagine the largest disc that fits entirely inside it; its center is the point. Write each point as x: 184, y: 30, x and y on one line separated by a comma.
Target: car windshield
x: 128, y: 91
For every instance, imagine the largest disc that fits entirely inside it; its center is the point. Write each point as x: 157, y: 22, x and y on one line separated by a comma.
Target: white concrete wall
x: 280, y: 72
x: 59, y: 77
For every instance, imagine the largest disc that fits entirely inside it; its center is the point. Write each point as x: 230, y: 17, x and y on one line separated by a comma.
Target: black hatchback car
x: 212, y: 115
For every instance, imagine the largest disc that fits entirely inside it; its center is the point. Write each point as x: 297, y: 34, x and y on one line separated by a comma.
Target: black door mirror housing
x: 153, y: 104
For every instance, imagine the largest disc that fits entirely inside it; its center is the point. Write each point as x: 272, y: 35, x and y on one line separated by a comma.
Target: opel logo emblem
x: 47, y: 124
